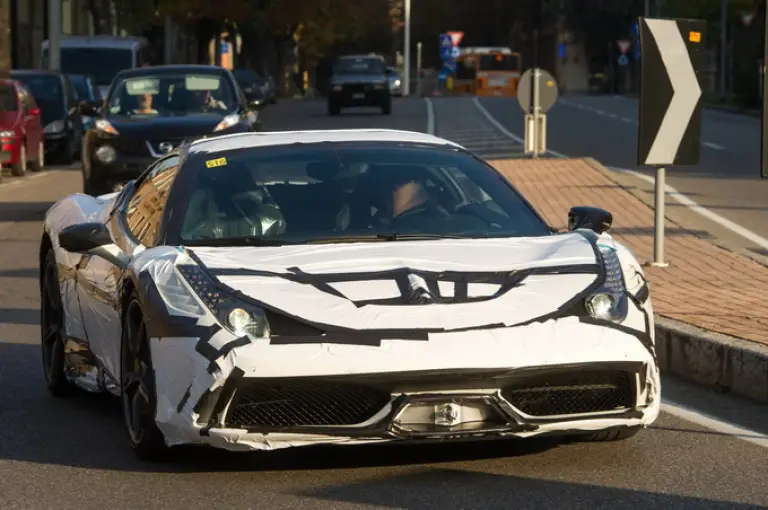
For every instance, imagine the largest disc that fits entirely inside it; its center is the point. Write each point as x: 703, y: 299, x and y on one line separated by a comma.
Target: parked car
x: 238, y: 295
x: 62, y: 123
x: 255, y: 87
x: 86, y: 89
x: 150, y: 111
x: 21, y: 129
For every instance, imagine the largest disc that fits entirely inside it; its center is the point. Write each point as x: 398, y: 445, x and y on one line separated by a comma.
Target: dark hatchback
x: 150, y: 111
x: 86, y: 89
x: 359, y: 80
x: 62, y: 122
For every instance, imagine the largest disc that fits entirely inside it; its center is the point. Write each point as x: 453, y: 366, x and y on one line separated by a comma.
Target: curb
x: 720, y: 362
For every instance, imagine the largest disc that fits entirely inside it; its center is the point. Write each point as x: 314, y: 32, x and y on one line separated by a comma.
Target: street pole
x: 54, y: 35
x: 658, y: 219
x: 407, y: 49
x: 168, y: 41
x: 647, y: 11
x: 723, y: 46
x: 418, y: 69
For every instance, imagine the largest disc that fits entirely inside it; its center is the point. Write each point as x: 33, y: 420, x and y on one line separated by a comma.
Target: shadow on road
x: 20, y: 316
x: 438, y: 488
x: 23, y: 211
x: 19, y: 273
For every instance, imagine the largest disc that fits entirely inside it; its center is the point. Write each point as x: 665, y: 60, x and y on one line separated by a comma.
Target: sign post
x: 449, y: 52
x: 670, y: 105
x: 536, y: 94
x: 764, y: 123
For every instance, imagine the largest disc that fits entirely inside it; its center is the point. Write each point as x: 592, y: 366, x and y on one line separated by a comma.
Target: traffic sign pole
x: 407, y: 49
x: 764, y: 124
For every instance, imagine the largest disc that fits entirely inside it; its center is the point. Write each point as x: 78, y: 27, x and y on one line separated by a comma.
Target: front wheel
x: 138, y: 394
x: 386, y: 108
x: 19, y: 169
x: 39, y: 161
x: 333, y: 108
x: 52, y: 330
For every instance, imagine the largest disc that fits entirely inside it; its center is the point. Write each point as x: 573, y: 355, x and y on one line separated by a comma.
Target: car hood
x: 172, y: 127
x: 378, y: 286
x: 340, y: 79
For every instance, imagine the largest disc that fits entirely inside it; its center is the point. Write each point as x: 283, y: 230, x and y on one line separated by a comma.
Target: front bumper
x: 557, y: 377
x: 56, y: 143
x: 359, y: 95
x: 11, y: 147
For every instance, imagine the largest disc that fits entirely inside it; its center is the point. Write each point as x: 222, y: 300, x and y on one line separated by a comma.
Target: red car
x: 21, y: 131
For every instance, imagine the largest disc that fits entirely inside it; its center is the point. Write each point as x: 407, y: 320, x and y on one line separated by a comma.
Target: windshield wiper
x: 235, y: 241
x: 385, y: 237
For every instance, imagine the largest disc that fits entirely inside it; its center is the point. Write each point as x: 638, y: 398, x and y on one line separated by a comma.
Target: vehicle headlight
x: 57, y: 126
x: 610, y: 301
x: 106, y: 154
x: 397, y: 83
x: 7, y: 134
x: 337, y: 87
x: 227, y: 122
x: 104, y: 126
x: 238, y: 317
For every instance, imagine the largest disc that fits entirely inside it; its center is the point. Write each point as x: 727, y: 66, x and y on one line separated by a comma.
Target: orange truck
x: 487, y: 71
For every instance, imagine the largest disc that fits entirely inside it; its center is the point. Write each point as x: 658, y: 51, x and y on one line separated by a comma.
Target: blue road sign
x: 623, y: 60
x: 224, y: 47
x: 443, y: 74
x: 450, y: 66
x: 454, y: 53
x: 446, y: 47
x: 636, y: 41
x: 561, y: 51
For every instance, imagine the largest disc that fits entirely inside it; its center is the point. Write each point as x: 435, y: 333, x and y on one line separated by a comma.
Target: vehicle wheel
x: 138, y: 394
x: 39, y: 161
x: 67, y: 155
x: 52, y: 330
x: 334, y: 108
x: 19, y: 169
x: 617, y: 434
x: 386, y: 108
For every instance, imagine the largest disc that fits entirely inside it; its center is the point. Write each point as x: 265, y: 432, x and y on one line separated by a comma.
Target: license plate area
x: 358, y: 95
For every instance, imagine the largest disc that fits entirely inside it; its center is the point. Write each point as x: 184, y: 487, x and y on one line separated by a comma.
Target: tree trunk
x: 5, y: 34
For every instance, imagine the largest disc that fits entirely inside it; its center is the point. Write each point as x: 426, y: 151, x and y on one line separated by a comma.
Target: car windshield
x: 359, y: 65
x: 171, y: 94
x: 48, y: 93
x: 7, y: 98
x: 101, y: 63
x: 345, y: 192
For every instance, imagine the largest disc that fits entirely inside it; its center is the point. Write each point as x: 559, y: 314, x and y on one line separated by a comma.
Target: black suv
x: 149, y: 111
x: 359, y: 80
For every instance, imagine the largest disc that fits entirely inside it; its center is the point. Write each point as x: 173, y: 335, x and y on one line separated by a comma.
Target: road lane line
x: 712, y: 423
x: 737, y: 229
x: 713, y: 146
x: 430, y: 116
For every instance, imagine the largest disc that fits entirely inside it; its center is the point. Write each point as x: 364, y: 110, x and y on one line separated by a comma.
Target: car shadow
x: 23, y: 211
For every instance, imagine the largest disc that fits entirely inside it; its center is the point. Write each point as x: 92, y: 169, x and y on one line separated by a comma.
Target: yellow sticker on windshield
x: 213, y: 163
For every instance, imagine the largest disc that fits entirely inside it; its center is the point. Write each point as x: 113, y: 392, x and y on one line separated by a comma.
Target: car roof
x: 184, y: 68
x: 97, y: 41
x: 275, y: 138
x: 33, y: 72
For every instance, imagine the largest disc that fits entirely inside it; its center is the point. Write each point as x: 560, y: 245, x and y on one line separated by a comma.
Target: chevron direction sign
x: 670, y: 91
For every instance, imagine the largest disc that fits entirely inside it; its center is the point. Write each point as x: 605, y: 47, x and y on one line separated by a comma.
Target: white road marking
x: 713, y: 146
x: 737, y: 229
x: 714, y: 424
x: 21, y: 180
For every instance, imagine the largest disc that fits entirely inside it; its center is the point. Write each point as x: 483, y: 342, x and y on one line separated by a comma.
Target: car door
x: 135, y: 225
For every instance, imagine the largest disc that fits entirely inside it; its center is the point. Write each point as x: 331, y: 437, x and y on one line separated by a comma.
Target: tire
x: 616, y: 434
x: 138, y: 395
x: 52, y: 329
x: 19, y: 169
x: 39, y: 162
x: 333, y: 108
x: 386, y: 108
x: 67, y: 154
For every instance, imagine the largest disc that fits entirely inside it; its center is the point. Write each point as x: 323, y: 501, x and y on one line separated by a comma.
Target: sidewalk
x: 704, y: 286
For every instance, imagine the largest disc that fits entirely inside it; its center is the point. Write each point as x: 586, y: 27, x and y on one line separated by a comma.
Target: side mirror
x: 92, y: 239
x: 88, y: 109
x: 593, y: 218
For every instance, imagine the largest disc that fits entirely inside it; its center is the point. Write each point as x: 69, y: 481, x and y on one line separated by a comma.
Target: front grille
x: 297, y: 404
x: 156, y: 145
x: 130, y: 146
x: 355, y: 88
x: 578, y: 392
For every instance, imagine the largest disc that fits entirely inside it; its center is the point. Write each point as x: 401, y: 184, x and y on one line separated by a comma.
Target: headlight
x: 397, y: 83
x: 239, y: 318
x: 7, y: 134
x: 227, y: 122
x: 104, y: 126
x: 106, y: 154
x: 610, y: 301
x: 337, y: 87
x: 57, y: 126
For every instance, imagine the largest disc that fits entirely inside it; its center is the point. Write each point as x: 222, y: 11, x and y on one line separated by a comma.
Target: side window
x: 145, y: 209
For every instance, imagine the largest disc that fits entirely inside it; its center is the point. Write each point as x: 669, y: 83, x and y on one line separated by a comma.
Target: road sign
x: 670, y: 91
x: 449, y: 66
x: 547, y: 91
x: 454, y: 53
x: 636, y: 40
x: 446, y: 47
x: 455, y: 36
x: 623, y: 46
x: 670, y: 105
x: 623, y: 60
x: 443, y: 74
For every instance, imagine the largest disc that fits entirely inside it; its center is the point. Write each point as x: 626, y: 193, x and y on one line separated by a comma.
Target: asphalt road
x: 73, y: 454
x: 726, y: 181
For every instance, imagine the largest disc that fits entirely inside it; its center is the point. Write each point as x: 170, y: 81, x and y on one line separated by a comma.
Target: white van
x: 101, y: 56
